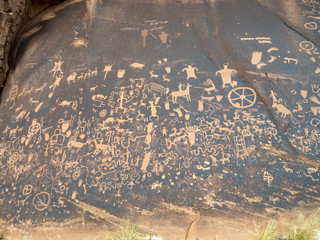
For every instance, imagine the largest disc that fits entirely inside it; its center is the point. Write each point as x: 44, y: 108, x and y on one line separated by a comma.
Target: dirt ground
x: 177, y: 225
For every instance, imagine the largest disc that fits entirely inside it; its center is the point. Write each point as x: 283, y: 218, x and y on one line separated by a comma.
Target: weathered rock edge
x: 14, y: 14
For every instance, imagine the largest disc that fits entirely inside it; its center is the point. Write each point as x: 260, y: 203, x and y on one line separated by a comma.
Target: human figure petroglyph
x: 164, y: 131
x: 121, y: 98
x: 57, y: 68
x: 56, y: 82
x: 210, y: 89
x: 153, y: 110
x: 226, y: 74
x: 190, y: 72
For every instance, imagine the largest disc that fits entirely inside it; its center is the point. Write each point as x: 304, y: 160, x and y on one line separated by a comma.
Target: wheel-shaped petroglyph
x: 311, y: 25
x: 242, y: 97
x: 41, y: 201
x: 27, y: 189
x: 307, y: 45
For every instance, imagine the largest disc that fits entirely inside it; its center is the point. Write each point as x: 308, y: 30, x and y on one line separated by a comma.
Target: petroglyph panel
x: 140, y: 104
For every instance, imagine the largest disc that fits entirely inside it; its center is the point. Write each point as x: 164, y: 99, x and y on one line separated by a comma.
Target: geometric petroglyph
x: 242, y: 97
x: 41, y: 201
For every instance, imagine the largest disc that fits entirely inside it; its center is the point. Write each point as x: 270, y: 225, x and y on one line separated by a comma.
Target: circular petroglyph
x: 311, y: 25
x: 103, y: 113
x: 41, y: 201
x: 27, y: 189
x: 307, y: 45
x: 242, y: 97
x: 34, y: 128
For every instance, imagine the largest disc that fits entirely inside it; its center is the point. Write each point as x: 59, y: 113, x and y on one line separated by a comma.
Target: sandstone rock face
x: 128, y: 107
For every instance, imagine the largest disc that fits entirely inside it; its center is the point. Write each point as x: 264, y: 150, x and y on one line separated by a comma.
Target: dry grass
x: 130, y: 232
x: 301, y: 228
x: 2, y: 230
x: 304, y: 228
x: 266, y: 233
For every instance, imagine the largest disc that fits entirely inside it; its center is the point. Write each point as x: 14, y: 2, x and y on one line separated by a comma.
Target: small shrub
x: 304, y: 228
x: 267, y: 233
x: 130, y: 232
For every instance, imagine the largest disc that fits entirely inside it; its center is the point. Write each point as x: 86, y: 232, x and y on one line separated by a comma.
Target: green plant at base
x: 267, y: 233
x: 129, y: 233
x: 304, y: 228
